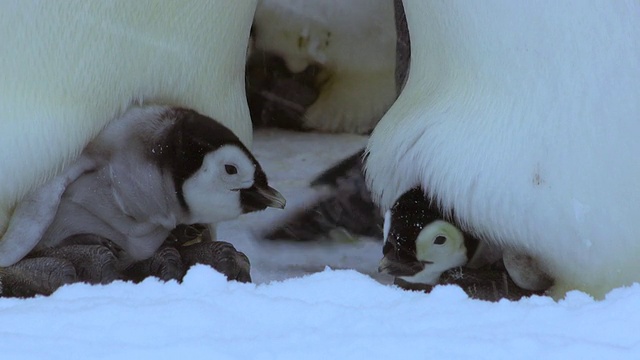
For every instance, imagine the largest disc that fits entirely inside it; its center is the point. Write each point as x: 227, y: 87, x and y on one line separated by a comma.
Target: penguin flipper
x: 348, y: 207
x: 34, y: 214
x: 348, y: 167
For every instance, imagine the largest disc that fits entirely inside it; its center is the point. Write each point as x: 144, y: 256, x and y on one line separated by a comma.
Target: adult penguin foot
x: 94, y: 257
x: 166, y: 264
x: 189, y: 245
x: 35, y: 276
x: 221, y: 256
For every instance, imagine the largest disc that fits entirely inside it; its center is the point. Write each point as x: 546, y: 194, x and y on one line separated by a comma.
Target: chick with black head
x: 422, y: 249
x: 149, y: 171
x: 419, y: 244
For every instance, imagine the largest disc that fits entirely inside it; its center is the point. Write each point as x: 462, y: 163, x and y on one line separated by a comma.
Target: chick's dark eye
x: 230, y: 169
x: 439, y: 240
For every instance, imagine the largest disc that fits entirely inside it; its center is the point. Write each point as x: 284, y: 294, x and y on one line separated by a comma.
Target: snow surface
x: 298, y: 308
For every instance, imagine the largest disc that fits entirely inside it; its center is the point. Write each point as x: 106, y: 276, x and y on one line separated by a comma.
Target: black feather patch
x: 409, y: 215
x: 403, y: 46
x: 352, y: 164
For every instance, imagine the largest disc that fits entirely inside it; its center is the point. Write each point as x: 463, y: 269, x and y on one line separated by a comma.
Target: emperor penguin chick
x: 153, y: 169
x: 419, y: 245
x: 422, y: 250
x: 354, y: 42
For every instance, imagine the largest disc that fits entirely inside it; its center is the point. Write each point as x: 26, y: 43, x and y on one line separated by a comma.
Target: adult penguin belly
x: 70, y: 67
x: 524, y: 119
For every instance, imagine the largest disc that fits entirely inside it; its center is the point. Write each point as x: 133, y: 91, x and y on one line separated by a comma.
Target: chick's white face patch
x: 441, y: 246
x: 438, y: 242
x: 212, y: 193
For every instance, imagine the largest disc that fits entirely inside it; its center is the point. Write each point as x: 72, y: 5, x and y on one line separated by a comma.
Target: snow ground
x: 298, y: 309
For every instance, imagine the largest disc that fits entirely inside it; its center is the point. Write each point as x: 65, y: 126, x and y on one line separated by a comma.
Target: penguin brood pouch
x: 154, y: 168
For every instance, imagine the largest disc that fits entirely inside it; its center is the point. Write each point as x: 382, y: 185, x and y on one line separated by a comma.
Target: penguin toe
x: 166, y: 264
x: 36, y: 276
x: 220, y: 255
x: 94, y: 264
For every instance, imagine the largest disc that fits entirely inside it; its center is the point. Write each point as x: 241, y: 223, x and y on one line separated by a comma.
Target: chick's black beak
x: 399, y: 263
x: 397, y: 267
x: 259, y: 197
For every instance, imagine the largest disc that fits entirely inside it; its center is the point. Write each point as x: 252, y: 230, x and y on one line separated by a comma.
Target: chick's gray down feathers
x: 148, y: 172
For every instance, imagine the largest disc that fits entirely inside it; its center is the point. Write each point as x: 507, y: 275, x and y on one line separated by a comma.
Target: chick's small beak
x: 273, y: 197
x: 258, y: 198
x: 396, y: 267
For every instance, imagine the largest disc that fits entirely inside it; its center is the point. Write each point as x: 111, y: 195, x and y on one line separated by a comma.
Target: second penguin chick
x: 438, y: 248
x: 419, y: 244
x: 421, y: 250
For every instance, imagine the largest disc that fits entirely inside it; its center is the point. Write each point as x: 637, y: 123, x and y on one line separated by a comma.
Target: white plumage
x: 354, y: 41
x: 69, y: 67
x: 525, y: 119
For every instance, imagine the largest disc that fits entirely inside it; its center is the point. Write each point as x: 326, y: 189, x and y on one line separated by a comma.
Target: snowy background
x: 309, y: 301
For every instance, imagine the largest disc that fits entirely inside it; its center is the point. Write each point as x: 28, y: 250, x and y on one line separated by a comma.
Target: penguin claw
x: 220, y: 255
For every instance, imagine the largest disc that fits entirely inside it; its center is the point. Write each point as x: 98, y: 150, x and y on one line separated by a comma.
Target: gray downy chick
x: 149, y: 171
